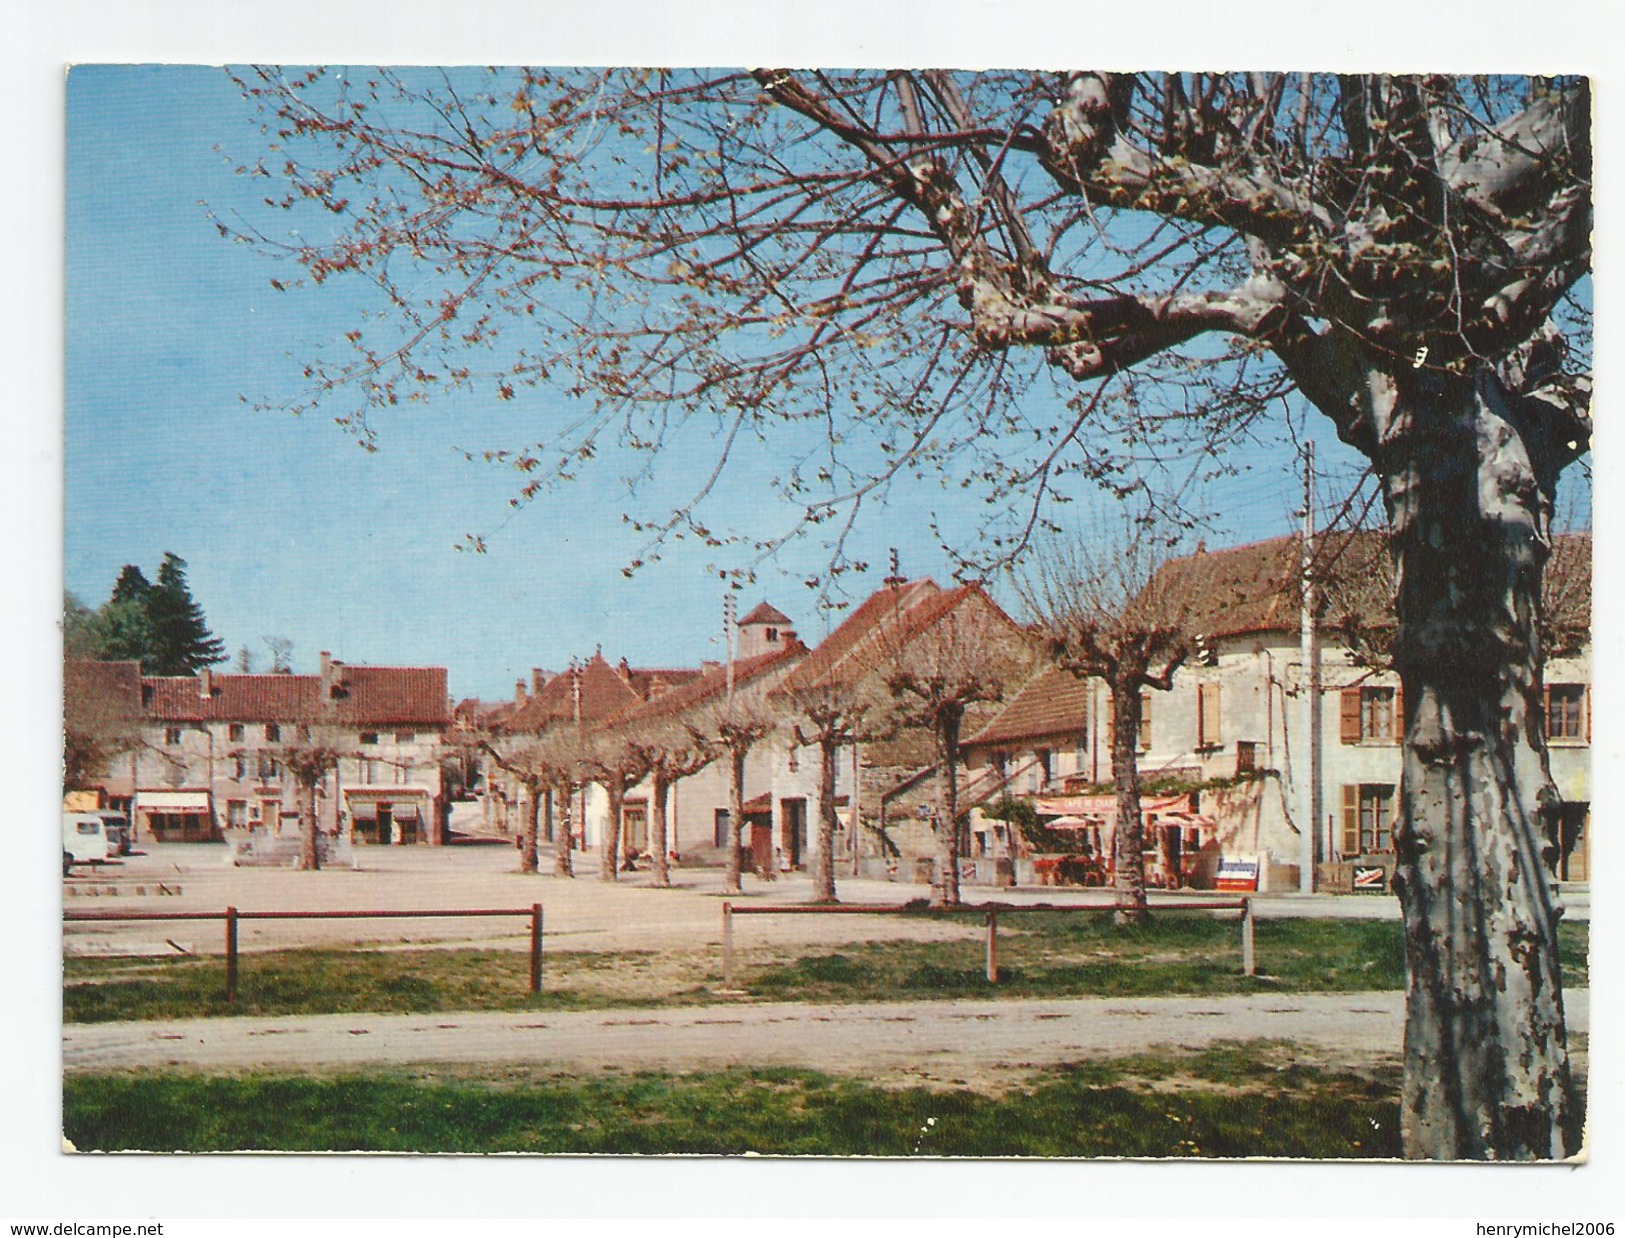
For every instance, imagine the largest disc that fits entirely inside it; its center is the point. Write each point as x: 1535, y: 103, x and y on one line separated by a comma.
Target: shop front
x: 176, y: 817
x: 393, y: 816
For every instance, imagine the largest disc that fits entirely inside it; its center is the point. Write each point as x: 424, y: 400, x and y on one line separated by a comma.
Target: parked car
x: 118, y: 830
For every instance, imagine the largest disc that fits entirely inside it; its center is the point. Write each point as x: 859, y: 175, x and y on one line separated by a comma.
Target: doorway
x: 793, y: 831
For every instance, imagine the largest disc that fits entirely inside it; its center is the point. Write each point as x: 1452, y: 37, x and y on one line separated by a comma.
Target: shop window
x: 1368, y: 818
x: 1566, y: 712
x: 1369, y: 715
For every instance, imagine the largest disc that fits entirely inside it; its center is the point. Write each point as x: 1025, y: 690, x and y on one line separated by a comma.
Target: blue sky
x: 289, y: 528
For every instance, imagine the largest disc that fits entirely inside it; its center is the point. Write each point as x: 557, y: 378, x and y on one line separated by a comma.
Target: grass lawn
x: 1230, y: 1101
x: 1070, y: 955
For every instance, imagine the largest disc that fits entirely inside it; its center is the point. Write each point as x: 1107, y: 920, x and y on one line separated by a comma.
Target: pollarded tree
x: 672, y: 753
x: 539, y: 763
x: 938, y: 660
x: 310, y: 750
x: 1108, y: 612
x: 732, y: 727
x: 902, y: 250
x: 829, y: 713
x: 617, y: 762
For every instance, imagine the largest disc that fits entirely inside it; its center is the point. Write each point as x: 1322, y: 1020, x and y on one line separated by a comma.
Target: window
x: 236, y: 813
x: 721, y: 824
x: 369, y: 771
x: 273, y: 733
x: 1207, y: 715
x: 1368, y: 818
x: 772, y: 635
x: 1246, y: 756
x: 1369, y: 715
x: 234, y: 733
x: 172, y: 735
x: 1566, y: 711
x: 1145, y: 723
x: 403, y: 771
x: 369, y: 737
x: 406, y: 737
x: 1080, y: 755
x: 268, y: 767
x: 239, y: 767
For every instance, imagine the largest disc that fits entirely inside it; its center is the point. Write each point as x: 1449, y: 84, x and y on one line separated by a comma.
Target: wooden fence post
x: 1248, y: 967
x: 993, y: 947
x: 231, y: 954
x: 535, y: 948
x: 727, y: 945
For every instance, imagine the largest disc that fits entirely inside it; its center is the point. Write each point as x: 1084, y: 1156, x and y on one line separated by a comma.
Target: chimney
x: 205, y: 683
x: 538, y: 680
x: 708, y: 667
x: 519, y: 692
x: 624, y: 671
x: 790, y: 637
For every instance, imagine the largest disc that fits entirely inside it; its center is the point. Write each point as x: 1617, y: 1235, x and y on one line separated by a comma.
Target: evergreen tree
x: 180, y: 640
x: 125, y: 629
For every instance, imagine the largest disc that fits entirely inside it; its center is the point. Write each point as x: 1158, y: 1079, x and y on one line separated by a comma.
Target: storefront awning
x: 172, y: 801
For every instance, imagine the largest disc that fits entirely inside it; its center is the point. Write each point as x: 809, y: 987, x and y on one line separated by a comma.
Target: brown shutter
x: 1351, y: 820
x: 1145, y: 722
x: 1585, y: 691
x: 1399, y: 714
x: 1207, y: 716
x: 1546, y: 706
x: 1349, y: 716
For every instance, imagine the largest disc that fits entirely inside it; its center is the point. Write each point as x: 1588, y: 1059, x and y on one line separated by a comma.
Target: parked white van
x: 88, y: 838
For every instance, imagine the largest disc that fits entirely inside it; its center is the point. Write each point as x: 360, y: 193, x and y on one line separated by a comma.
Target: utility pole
x: 730, y: 636
x: 1308, y: 797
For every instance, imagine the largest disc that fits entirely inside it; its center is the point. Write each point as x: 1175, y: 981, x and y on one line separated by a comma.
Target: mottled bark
x: 1469, y: 491
x: 660, y: 794
x: 1128, y: 873
x: 823, y: 873
x: 736, y: 817
x: 310, y: 858
x: 947, y: 735
x: 610, y: 863
x: 528, y: 839
x: 564, y: 836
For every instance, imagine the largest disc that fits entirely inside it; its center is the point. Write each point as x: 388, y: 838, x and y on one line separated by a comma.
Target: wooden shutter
x: 1586, y: 693
x: 1145, y: 722
x: 1207, y: 716
x: 1399, y: 714
x: 1349, y: 716
x: 1351, y: 820
x: 1546, y: 708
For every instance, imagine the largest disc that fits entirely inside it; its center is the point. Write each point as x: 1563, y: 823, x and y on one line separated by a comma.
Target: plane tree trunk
x: 660, y: 794
x: 823, y: 874
x: 533, y: 821
x: 610, y: 866
x: 564, y: 836
x: 947, y: 734
x: 1469, y: 492
x: 736, y: 819
x: 1128, y: 869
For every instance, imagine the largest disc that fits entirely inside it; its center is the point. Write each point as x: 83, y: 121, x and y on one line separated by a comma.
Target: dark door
x: 761, y: 846
x: 793, y: 830
x: 386, y: 823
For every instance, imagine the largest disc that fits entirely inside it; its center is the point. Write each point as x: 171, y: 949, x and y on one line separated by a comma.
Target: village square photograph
x: 884, y: 613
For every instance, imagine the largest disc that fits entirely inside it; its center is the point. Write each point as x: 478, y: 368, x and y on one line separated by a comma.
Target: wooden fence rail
x: 232, y: 916
x: 989, y: 910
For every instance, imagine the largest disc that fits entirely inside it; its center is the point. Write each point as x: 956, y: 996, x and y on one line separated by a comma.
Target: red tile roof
x: 765, y: 613
x: 703, y: 688
x: 1053, y: 703
x: 369, y: 694
x: 603, y: 692
x: 106, y: 685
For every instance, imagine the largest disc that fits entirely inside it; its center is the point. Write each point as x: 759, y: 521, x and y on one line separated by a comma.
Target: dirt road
x: 940, y: 1043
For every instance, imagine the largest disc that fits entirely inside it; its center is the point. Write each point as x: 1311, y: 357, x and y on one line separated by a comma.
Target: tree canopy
x: 158, y: 624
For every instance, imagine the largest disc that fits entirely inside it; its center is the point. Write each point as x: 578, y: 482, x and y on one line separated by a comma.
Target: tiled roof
x: 1054, y: 702
x: 114, y: 685
x: 1255, y: 588
x: 603, y: 692
x: 375, y: 694
x: 765, y: 613
x: 705, y: 687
